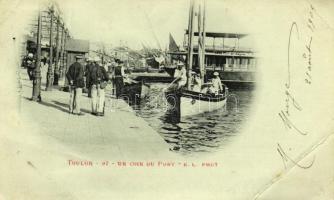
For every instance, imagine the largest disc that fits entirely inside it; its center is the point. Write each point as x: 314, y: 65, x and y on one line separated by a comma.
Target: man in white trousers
x: 97, y: 82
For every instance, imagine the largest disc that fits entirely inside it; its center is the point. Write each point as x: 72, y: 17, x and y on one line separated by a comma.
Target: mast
x: 201, y: 40
x: 203, y: 72
x: 190, y: 43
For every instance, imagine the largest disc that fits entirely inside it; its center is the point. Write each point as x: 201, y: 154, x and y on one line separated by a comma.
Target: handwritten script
x: 291, y: 102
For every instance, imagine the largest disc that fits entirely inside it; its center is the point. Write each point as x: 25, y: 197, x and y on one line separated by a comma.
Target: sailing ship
x: 184, y: 101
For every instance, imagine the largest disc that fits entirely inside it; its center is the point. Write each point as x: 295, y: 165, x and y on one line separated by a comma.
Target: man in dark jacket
x: 88, y: 68
x: 75, y: 78
x: 98, y: 78
x: 30, y: 64
x: 119, y: 77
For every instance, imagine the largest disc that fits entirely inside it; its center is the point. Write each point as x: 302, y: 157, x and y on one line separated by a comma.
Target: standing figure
x: 30, y: 64
x: 97, y: 82
x: 217, y: 84
x: 88, y: 68
x: 75, y: 78
x: 119, y: 77
x: 111, y: 75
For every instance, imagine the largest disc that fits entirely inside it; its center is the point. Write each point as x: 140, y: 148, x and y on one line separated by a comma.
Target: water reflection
x: 201, y: 133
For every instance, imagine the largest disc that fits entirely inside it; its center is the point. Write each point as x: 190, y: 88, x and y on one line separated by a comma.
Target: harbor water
x: 207, y: 132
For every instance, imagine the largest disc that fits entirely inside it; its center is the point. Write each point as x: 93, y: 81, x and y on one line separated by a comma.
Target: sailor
x: 180, y: 75
x: 88, y: 68
x: 217, y: 83
x: 119, y: 76
x: 197, y: 82
x: 74, y: 76
x: 97, y: 82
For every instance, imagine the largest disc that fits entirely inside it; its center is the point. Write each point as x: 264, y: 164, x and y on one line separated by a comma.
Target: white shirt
x: 217, y: 84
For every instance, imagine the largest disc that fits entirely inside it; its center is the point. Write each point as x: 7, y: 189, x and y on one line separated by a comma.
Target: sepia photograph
x: 179, y: 99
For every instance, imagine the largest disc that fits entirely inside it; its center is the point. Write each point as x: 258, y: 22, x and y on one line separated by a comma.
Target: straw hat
x: 216, y: 74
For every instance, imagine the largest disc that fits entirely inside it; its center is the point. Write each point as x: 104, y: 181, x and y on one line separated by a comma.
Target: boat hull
x: 134, y: 92
x: 188, y: 103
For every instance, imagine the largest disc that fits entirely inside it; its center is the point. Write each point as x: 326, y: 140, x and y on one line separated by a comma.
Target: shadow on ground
x: 66, y: 106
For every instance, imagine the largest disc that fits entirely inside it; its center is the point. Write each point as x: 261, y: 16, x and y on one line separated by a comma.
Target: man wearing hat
x: 88, y: 68
x: 119, y: 77
x: 180, y: 75
x: 75, y: 77
x: 217, y: 83
x: 98, y: 78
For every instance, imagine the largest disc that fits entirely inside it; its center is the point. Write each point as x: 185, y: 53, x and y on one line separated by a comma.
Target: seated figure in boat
x: 180, y: 76
x: 208, y: 88
x: 197, y: 82
x: 215, y: 87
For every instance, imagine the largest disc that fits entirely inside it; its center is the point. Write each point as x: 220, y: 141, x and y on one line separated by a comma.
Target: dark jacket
x: 88, y: 68
x: 96, y: 75
x: 28, y: 63
x: 75, y: 73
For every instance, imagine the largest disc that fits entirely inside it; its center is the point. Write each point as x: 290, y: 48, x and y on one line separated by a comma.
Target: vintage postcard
x: 167, y: 99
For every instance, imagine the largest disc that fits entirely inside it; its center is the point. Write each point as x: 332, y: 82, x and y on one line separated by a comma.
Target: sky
x: 147, y: 22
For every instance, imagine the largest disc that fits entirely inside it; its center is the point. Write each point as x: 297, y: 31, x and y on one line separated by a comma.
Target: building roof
x: 77, y: 45
x: 221, y: 35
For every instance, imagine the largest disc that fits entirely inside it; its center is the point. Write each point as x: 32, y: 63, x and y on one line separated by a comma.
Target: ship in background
x: 236, y: 65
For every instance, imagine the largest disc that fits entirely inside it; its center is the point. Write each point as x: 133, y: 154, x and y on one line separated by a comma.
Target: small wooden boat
x: 186, y: 102
x: 131, y: 92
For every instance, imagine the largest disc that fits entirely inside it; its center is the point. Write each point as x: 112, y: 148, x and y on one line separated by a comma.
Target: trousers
x: 75, y: 96
x: 98, y: 98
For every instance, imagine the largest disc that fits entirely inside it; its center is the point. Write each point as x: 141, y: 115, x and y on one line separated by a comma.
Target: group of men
x: 214, y: 87
x: 92, y: 76
x: 97, y: 79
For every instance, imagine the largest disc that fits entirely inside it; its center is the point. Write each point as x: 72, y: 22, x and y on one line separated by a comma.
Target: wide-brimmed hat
x: 216, y: 74
x: 30, y: 55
